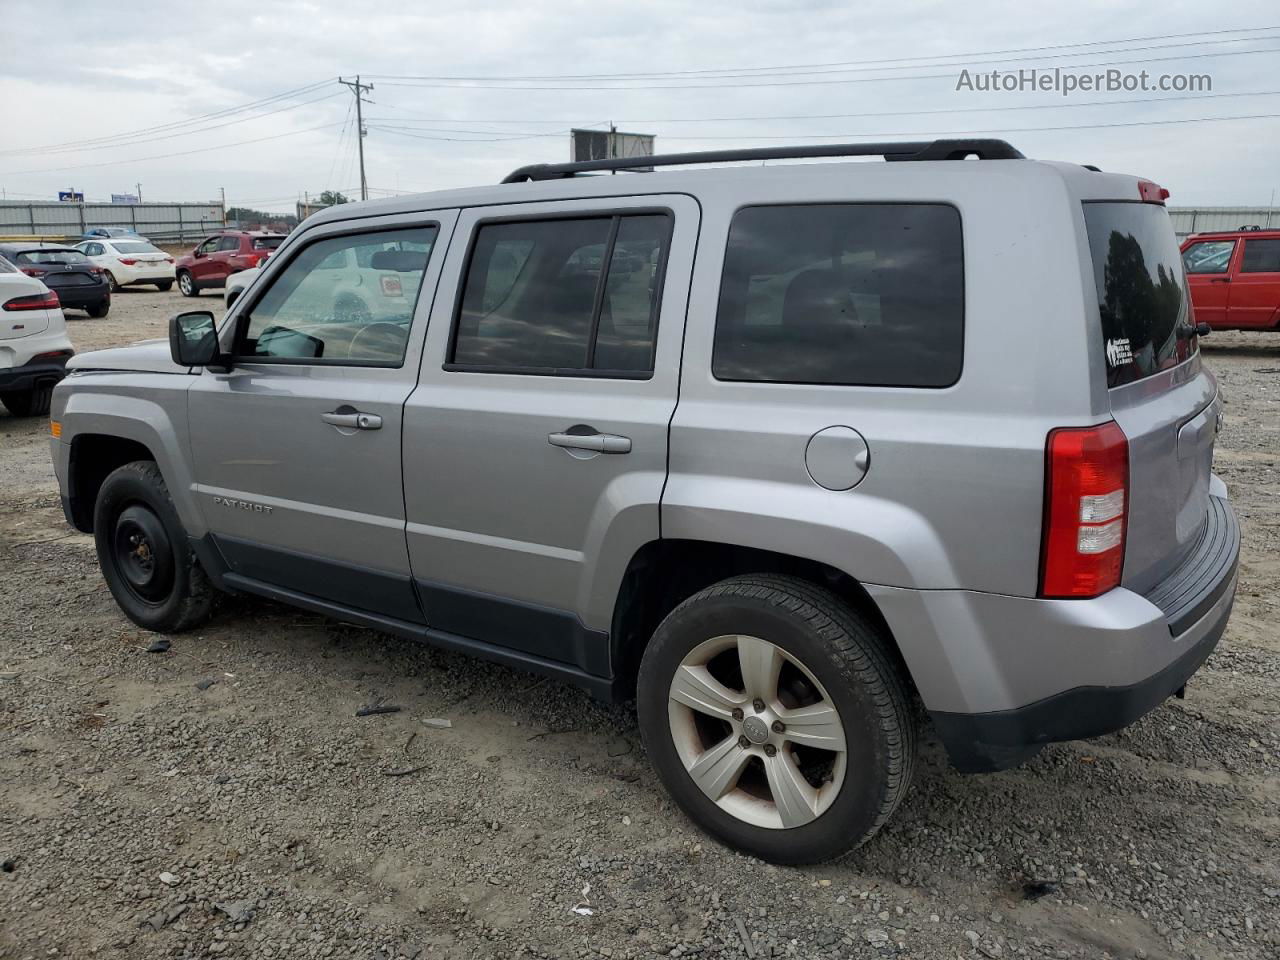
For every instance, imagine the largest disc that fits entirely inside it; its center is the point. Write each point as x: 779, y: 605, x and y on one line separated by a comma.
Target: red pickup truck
x: 1235, y: 278
x: 217, y: 257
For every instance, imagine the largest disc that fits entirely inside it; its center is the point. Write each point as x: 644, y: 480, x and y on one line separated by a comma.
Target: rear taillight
x: 37, y: 301
x: 1086, y: 506
x: 33, y: 271
x: 127, y: 262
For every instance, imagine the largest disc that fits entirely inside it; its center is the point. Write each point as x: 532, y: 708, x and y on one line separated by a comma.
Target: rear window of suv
x: 1142, y: 295
x: 267, y: 243
x: 857, y: 294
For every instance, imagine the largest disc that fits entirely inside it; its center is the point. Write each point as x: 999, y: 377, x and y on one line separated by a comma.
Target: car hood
x: 147, y: 356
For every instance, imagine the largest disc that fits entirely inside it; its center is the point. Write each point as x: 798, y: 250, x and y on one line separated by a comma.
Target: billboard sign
x: 70, y: 196
x: 605, y: 144
x: 124, y: 198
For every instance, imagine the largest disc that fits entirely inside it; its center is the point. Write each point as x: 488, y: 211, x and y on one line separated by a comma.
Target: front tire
x: 776, y: 718
x: 187, y: 284
x: 28, y: 403
x: 144, y: 554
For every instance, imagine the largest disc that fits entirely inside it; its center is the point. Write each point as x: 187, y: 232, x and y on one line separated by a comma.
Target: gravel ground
x: 224, y: 799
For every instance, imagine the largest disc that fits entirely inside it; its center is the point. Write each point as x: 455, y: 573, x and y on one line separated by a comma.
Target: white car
x: 238, y: 282
x: 34, y: 347
x: 130, y: 260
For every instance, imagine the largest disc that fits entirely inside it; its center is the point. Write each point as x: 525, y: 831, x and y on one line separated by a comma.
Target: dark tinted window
x: 850, y: 294
x: 1142, y: 296
x: 1212, y: 256
x: 566, y: 295
x: 1261, y: 256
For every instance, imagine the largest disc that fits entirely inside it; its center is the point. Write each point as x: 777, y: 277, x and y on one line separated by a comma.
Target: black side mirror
x: 193, y: 339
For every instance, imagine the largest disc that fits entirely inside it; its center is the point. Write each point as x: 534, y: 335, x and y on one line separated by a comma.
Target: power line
x: 850, y: 63
x: 171, y: 136
x: 166, y: 156
x: 228, y: 111
x: 826, y: 116
x: 806, y: 83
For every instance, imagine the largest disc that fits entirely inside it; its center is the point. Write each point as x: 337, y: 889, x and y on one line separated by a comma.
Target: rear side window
x: 229, y: 243
x: 856, y: 294
x: 1261, y: 256
x: 1211, y: 256
x: 563, y: 296
x: 1142, y: 295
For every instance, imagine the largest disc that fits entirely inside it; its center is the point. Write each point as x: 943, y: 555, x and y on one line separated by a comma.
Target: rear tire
x: 112, y: 284
x: 164, y: 286
x: 795, y: 769
x: 99, y: 310
x: 28, y: 403
x: 144, y: 553
x: 187, y: 284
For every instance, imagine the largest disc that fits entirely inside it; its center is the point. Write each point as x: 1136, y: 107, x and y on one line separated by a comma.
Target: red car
x: 1235, y: 278
x: 217, y: 257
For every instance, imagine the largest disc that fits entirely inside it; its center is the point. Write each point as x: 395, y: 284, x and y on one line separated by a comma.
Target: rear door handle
x: 595, y: 442
x: 360, y: 421
x: 1219, y: 279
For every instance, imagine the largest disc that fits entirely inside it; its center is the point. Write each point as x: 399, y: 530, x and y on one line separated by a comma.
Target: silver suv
x: 796, y: 455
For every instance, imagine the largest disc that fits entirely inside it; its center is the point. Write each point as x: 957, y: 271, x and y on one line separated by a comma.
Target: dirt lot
x: 143, y: 816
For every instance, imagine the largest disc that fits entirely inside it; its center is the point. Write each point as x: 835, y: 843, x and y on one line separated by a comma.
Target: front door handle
x: 594, y: 442
x: 354, y: 419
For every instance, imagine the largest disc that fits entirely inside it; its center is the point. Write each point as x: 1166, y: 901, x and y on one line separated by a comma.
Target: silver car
x: 796, y: 455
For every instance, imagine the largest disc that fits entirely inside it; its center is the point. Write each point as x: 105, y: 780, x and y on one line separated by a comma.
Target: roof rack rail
x: 909, y: 150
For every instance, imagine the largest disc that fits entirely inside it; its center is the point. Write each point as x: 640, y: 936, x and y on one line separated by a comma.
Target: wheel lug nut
x: 743, y: 742
x: 779, y: 726
x: 770, y: 750
x: 737, y: 713
x: 757, y: 705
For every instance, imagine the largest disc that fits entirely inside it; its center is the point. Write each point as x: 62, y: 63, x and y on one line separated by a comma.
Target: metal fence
x: 1189, y: 220
x: 157, y: 221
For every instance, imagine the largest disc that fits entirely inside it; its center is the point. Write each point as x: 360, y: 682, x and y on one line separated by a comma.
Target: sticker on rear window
x: 1118, y: 352
x: 391, y: 287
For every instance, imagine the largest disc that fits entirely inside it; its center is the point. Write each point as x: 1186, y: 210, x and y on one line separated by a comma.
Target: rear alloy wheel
x: 776, y: 718
x: 99, y: 309
x: 111, y: 282
x: 187, y: 284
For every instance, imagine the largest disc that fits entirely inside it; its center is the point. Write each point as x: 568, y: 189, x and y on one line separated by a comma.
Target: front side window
x: 1211, y: 256
x: 346, y: 299
x: 853, y: 294
x: 564, y: 295
x: 208, y: 246
x: 1142, y: 296
x: 1261, y: 256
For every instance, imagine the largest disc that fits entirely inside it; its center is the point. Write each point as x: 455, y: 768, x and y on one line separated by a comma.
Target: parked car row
x: 79, y: 283
x: 1234, y: 276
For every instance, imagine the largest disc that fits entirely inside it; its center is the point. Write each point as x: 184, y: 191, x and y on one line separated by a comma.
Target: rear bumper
x: 29, y: 375
x: 80, y: 297
x: 1002, y: 676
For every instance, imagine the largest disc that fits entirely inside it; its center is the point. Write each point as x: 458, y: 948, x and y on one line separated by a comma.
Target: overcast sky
x: 82, y: 72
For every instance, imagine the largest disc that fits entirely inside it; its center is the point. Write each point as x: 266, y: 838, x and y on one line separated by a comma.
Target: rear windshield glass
x: 128, y: 246
x: 1142, y: 294
x: 267, y: 243
x: 52, y: 256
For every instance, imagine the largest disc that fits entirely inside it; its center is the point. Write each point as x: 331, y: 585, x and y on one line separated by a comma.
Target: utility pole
x: 138, y: 187
x: 223, y: 192
x: 359, y: 89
